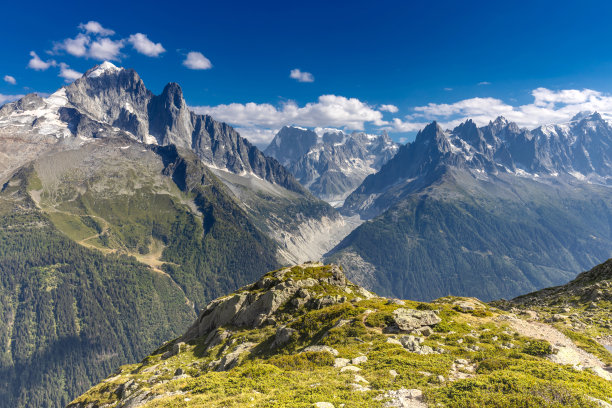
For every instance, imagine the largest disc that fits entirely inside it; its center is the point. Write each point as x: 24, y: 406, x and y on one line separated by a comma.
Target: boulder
x: 410, y: 319
x: 341, y: 362
x: 350, y: 368
x: 415, y: 345
x: 230, y: 360
x: 176, y: 349
x: 403, y: 398
x: 327, y: 349
x: 283, y: 336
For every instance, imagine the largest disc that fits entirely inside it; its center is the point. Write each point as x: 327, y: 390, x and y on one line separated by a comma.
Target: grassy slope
x: 69, y: 313
x: 122, y: 206
x: 581, y: 309
x: 506, y: 370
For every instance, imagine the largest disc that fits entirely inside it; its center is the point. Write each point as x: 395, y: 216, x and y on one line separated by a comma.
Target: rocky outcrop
x: 256, y: 305
x: 274, y: 349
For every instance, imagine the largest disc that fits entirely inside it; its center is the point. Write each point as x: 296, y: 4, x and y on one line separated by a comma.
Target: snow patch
x: 578, y: 175
x: 103, y: 69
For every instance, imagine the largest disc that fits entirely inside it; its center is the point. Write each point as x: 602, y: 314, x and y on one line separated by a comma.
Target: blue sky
x: 384, y: 65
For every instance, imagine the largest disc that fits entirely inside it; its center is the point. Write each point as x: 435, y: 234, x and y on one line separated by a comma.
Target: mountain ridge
x: 472, y: 210
x: 334, y: 164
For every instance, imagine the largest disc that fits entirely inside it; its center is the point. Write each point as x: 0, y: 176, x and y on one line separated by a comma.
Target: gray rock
x: 327, y: 349
x: 425, y: 331
x: 410, y: 319
x: 360, y: 379
x: 403, y: 398
x: 341, y: 362
x: 394, y: 341
x: 230, y: 360
x: 323, y: 405
x: 283, y: 336
x: 415, y: 345
x: 176, y: 349
x: 359, y: 360
x: 465, y: 306
x: 350, y: 368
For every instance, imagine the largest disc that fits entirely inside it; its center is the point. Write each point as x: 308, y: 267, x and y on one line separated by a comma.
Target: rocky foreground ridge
x: 305, y: 336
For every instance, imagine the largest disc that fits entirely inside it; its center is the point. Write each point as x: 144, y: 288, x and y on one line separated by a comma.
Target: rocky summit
x: 305, y: 336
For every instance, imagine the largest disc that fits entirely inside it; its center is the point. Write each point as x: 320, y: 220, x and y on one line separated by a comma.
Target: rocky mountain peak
x: 173, y: 94
x: 469, y: 132
x: 498, y: 124
x: 291, y: 143
x: 105, y: 68
x: 432, y: 131
x: 581, y: 115
x: 333, y: 137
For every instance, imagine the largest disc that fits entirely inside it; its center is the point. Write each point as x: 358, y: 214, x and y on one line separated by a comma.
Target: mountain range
x: 123, y: 214
x: 492, y: 211
x: 333, y: 165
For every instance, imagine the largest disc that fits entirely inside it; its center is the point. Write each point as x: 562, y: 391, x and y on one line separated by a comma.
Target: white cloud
x: 9, y: 98
x: 320, y: 131
x: 546, y: 97
x: 329, y: 111
x: 10, y: 79
x: 484, y: 83
x: 39, y: 65
x: 398, y: 125
x: 259, y: 121
x: 74, y: 46
x: 195, y: 60
x: 143, y: 45
x: 388, y: 108
x: 105, y: 49
x: 448, y: 89
x: 301, y: 76
x: 258, y: 136
x: 94, y: 27
x: 548, y: 106
x: 68, y: 74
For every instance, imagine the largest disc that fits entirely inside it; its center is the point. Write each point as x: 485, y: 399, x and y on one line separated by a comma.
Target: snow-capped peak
x: 581, y: 115
x: 102, y: 69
